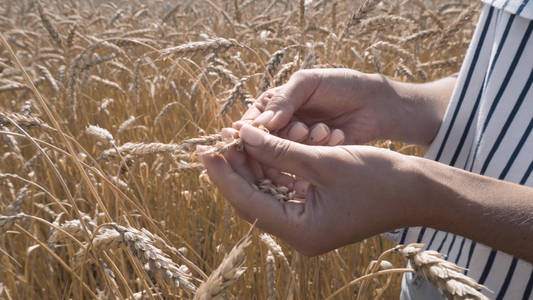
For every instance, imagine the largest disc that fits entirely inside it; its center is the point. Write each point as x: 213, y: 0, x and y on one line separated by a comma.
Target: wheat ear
x: 445, y: 275
x: 229, y: 270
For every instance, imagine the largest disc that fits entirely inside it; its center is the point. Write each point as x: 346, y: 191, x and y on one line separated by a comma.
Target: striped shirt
x: 516, y: 7
x: 486, y: 130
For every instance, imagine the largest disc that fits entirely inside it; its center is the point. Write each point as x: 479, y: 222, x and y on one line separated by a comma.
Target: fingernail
x: 337, y: 137
x: 319, y: 133
x: 252, y: 135
x: 264, y: 118
x: 298, y: 132
x: 238, y: 124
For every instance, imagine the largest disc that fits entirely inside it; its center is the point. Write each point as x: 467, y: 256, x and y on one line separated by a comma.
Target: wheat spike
x: 224, y: 73
x: 6, y: 222
x: 271, y: 69
x: 421, y: 35
x: 157, y: 261
x: 48, y: 25
x: 140, y: 149
x: 358, y: 15
x: 270, y: 270
x: 236, y: 94
x: 106, y: 239
x: 275, y: 248
x: 100, y: 133
x: 213, y: 45
x: 108, y: 83
x: 14, y: 207
x: 445, y: 275
x: 74, y: 227
x: 46, y: 73
x: 377, y: 22
x: 394, y: 50
x: 24, y: 121
x: 229, y: 270
x: 284, y: 73
x: 126, y: 124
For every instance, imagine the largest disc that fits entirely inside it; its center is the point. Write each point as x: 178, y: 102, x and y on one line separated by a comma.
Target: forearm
x: 494, y: 212
x: 416, y: 110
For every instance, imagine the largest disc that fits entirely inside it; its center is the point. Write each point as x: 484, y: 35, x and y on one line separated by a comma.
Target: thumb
x: 281, y: 154
x: 282, y: 102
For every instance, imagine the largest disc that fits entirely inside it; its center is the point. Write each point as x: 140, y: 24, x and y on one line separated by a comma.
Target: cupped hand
x: 344, y: 193
x: 326, y: 107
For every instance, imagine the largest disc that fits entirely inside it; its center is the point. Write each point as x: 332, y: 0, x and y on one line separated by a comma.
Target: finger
x: 252, y: 112
x: 238, y: 124
x: 336, y: 137
x: 281, y: 154
x: 264, y: 118
x: 249, y: 203
x: 318, y: 134
x: 229, y: 133
x: 298, y: 132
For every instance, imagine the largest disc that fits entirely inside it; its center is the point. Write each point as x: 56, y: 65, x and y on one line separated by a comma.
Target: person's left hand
x: 345, y: 193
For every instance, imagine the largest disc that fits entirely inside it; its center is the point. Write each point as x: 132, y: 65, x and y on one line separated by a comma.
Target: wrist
x: 409, y: 193
x: 412, y: 113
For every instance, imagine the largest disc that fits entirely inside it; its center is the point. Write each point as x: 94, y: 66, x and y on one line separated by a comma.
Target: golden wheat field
x: 103, y: 101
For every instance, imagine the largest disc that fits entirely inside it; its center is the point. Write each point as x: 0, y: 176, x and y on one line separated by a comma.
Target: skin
x: 347, y: 192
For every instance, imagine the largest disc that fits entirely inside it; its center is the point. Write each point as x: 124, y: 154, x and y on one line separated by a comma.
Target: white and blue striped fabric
x: 521, y: 8
x: 486, y: 130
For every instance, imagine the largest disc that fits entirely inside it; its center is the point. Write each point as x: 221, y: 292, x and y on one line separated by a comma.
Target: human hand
x: 347, y: 193
x: 326, y: 107
x: 335, y: 106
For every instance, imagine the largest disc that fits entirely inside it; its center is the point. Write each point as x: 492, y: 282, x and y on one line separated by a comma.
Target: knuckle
x: 302, y: 75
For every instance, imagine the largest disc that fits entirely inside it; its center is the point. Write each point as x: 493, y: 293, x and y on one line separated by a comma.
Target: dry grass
x: 103, y: 103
